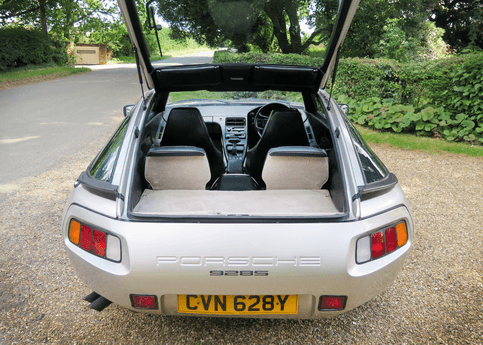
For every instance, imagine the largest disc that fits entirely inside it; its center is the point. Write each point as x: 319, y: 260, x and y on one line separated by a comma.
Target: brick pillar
x: 103, y: 53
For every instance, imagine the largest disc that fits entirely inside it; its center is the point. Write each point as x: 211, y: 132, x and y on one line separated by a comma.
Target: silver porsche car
x: 237, y: 190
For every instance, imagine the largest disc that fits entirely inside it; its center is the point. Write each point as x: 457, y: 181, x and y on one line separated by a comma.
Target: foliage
x: 369, y: 25
x: 463, y: 21
x: 170, y: 46
x: 442, y: 98
x: 114, y: 36
x: 316, y: 51
x: 396, y: 44
x: 385, y: 114
x: 453, y: 106
x: 412, y: 142
x: 64, y: 19
x: 425, y: 82
x: 255, y: 22
x: 19, y: 47
x: 361, y: 78
x: 225, y: 56
x: 464, y: 97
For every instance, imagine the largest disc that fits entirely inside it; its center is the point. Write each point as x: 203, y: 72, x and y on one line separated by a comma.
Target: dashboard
x: 234, y: 121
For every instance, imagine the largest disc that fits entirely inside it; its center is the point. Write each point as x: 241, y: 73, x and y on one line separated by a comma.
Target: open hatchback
x: 237, y: 190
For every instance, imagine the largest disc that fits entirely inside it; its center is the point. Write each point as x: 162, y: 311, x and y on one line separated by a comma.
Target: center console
x: 235, y: 143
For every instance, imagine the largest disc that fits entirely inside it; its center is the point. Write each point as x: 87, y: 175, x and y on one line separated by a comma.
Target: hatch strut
x: 138, y: 66
x: 334, y: 73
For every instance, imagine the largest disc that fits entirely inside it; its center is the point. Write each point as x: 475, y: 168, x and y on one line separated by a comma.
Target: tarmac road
x: 42, y: 124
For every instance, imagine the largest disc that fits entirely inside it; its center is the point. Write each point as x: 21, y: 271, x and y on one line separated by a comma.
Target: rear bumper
x: 304, y: 259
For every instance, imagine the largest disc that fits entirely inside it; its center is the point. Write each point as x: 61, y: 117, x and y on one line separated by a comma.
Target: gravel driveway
x: 438, y: 297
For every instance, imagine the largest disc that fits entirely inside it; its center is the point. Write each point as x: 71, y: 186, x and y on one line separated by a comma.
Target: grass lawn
x: 34, y: 74
x: 413, y: 142
x: 156, y: 57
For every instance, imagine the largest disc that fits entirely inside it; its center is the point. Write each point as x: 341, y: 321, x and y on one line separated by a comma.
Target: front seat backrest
x: 177, y: 167
x: 296, y: 167
x: 284, y: 128
x: 186, y: 127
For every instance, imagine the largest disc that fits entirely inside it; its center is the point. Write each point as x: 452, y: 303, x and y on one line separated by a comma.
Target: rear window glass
x: 225, y: 97
x: 372, y: 167
x: 104, y: 165
x: 268, y: 30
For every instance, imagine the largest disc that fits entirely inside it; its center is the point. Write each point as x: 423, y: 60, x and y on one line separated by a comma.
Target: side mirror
x: 127, y: 109
x: 345, y: 109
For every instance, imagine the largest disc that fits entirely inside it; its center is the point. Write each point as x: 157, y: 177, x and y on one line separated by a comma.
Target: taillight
x: 144, y: 301
x: 391, y: 239
x: 95, y: 241
x: 74, y: 232
x: 85, y: 238
x: 381, y: 242
x: 402, y: 234
x: 332, y: 302
x: 99, y: 243
x: 377, y: 245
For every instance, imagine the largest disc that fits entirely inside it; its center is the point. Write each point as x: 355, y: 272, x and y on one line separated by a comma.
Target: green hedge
x: 225, y: 56
x: 442, y: 98
x: 19, y: 47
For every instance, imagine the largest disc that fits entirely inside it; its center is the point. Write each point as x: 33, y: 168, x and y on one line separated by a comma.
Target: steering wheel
x: 263, y: 113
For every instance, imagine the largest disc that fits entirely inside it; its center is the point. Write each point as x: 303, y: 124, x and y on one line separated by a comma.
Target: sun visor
x: 287, y: 78
x: 231, y: 77
x: 188, y: 78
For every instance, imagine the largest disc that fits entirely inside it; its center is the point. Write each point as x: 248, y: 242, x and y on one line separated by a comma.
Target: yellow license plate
x: 238, y: 304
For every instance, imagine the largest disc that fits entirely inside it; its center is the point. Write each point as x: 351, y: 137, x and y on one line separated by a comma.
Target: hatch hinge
x: 337, y: 132
x: 356, y: 196
x: 119, y: 196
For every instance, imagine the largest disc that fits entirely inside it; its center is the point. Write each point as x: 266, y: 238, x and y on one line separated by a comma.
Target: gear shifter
x: 234, y: 142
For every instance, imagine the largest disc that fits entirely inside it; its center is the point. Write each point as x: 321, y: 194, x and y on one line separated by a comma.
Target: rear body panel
x: 304, y: 259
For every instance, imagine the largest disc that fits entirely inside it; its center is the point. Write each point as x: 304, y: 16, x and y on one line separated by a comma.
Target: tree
x: 375, y: 17
x: 257, y: 22
x: 10, y: 9
x: 462, y: 20
x: 60, y: 17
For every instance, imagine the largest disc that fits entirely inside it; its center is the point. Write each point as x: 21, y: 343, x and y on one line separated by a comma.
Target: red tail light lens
x: 144, y: 301
x: 377, y: 244
x: 85, y: 237
x: 391, y: 239
x: 99, y: 243
x: 95, y: 241
x: 332, y: 302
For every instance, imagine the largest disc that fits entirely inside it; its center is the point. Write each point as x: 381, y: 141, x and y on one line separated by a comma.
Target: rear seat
x: 177, y: 167
x: 295, y: 167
